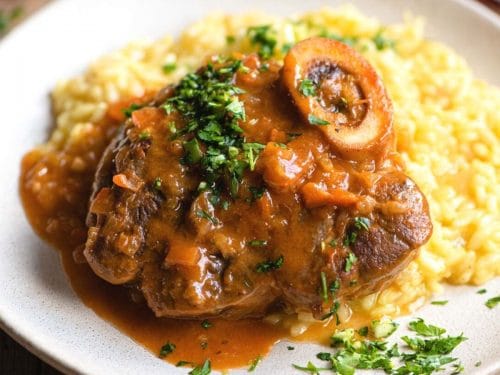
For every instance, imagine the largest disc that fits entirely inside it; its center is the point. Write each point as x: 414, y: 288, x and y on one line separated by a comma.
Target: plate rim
x: 64, y: 364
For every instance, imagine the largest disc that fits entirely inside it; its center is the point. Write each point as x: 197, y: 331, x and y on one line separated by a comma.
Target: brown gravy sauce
x: 55, y: 192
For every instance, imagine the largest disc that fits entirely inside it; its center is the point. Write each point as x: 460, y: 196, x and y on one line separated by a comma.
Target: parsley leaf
x: 131, y: 108
x: 492, y: 302
x: 167, y: 349
x: 254, y: 363
x: 270, y: 265
x: 350, y: 261
x: 422, y: 329
x: 205, y: 215
x: 257, y: 243
x: 204, y: 369
x: 169, y: 68
x: 265, y: 37
x: 439, y: 303
x: 313, y: 120
x: 206, y: 324
x: 307, y: 87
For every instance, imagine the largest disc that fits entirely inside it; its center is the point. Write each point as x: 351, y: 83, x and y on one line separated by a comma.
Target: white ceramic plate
x: 37, y: 306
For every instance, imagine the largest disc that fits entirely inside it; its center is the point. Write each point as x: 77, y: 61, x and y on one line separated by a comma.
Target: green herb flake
x: 333, y: 243
x: 324, y: 288
x: 204, y: 369
x: 363, y: 331
x: 205, y: 215
x: 334, y: 287
x: 270, y: 265
x: 310, y: 368
x: 477, y: 364
x: 492, y: 302
x: 144, y: 135
x: 230, y: 39
x: 157, y: 183
x: 423, y: 329
x: 313, y: 120
x: 183, y: 363
x: 264, y: 37
x: 481, y: 291
x: 361, y: 223
x: 290, y: 347
x: 383, y: 328
x: 193, y: 153
x: 350, y: 261
x: 257, y: 192
x: 439, y: 303
x: 131, y: 108
x: 167, y: 349
x: 257, y: 243
x: 382, y: 42
x: 254, y: 363
x: 169, y: 68
x: 307, y: 87
x: 333, y: 312
x: 206, y: 324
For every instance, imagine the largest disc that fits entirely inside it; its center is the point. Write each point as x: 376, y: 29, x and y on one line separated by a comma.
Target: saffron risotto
x: 447, y: 125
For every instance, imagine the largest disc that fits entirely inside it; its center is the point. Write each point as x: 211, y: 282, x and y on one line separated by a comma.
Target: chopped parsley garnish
x: 423, y: 329
x: 310, y: 368
x: 144, y: 135
x: 203, y: 369
x: 350, y: 261
x: 206, y: 324
x: 349, y: 40
x: 265, y: 38
x: 270, y: 265
x: 477, y: 364
x: 382, y: 42
x: 481, y: 291
x: 439, y: 303
x: 426, y: 356
x: 167, y: 349
x: 334, y: 286
x: 230, y: 39
x: 333, y: 312
x: 254, y: 363
x: 313, y: 120
x: 333, y: 243
x: 208, y: 101
x: 257, y: 192
x: 205, y: 215
x: 290, y: 347
x: 157, y: 183
x: 363, y: 331
x: 169, y: 68
x: 492, y: 302
x: 257, y: 243
x: 193, y: 153
x: 307, y: 87
x: 131, y: 108
x: 383, y: 328
x: 183, y: 363
x: 361, y: 223
x: 324, y: 288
